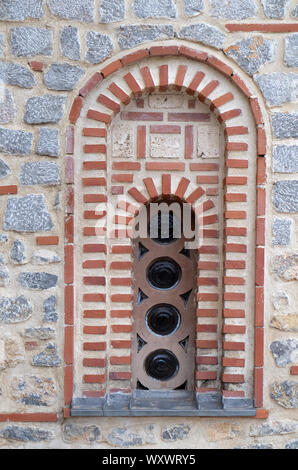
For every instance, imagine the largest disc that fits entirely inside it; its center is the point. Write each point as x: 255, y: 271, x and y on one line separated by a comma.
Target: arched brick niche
x: 159, y: 122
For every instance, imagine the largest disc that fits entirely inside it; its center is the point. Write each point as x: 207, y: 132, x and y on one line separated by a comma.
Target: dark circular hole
x: 161, y: 364
x: 164, y: 228
x: 164, y: 273
x: 163, y: 319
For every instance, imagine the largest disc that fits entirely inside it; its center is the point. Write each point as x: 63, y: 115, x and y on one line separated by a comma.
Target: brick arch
x: 115, y: 85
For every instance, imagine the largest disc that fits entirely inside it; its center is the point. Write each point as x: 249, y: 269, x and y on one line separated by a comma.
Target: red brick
x: 233, y: 378
x: 235, y: 214
x: 207, y: 179
x: 120, y: 360
x: 68, y: 384
x: 121, y: 328
x: 121, y: 313
x: 207, y: 297
x: 68, y: 264
x: 94, y: 330
x: 95, y: 248
x: 235, y: 264
x: 95, y: 148
x: 94, y: 182
x: 164, y: 50
x: 165, y: 129
x: 236, y: 180
x: 229, y: 115
x: 121, y: 297
x: 166, y: 185
x: 236, y: 130
x: 235, y: 248
x: 236, y: 79
x: 234, y: 281
x: 95, y: 346
x: 94, y: 132
x: 234, y: 296
x: 8, y: 190
x: 203, y: 166
x: 259, y: 306
x: 193, y: 54
x: 111, y: 68
x: 94, y: 165
x: 209, y: 265
x: 69, y: 170
x: 206, y: 344
x: 233, y: 312
x: 182, y: 187
x: 36, y: 65
x: 94, y: 297
x: 261, y: 170
x: 258, y: 387
x: 206, y: 360
x: 68, y: 305
x: 122, y: 178
x: 120, y: 375
x: 121, y: 344
x: 233, y: 329
x: 189, y: 142
x: 259, y: 266
x: 206, y: 328
x: 148, y: 80
x: 141, y: 142
x: 94, y: 314
x: 236, y: 231
x: 221, y: 100
x: 134, y: 57
x: 135, y: 193
x: 261, y: 201
x: 141, y: 116
x: 259, y: 347
x: 188, y: 117
x: 195, y: 195
x: 133, y: 84
x: 263, y: 27
x: 237, y: 147
x: 192, y: 87
x: 163, y: 78
x: 76, y: 109
x: 181, y: 71
x: 94, y: 362
x: 207, y: 281
x: 233, y: 393
x: 294, y: 370
x: 206, y: 375
x: 233, y: 362
x: 119, y: 93
x: 150, y: 186
x: 69, y: 140
x: 101, y: 117
x: 95, y: 198
x: 233, y: 346
x: 208, y: 249
x: 219, y: 65
x: 69, y: 229
x: 94, y: 281
x: 92, y: 83
x: 165, y: 166
x: 262, y: 414
x: 208, y: 89
x: 47, y: 240
x: 120, y: 249
x: 126, y: 166
x: 256, y: 110
x: 235, y: 197
x: 94, y: 264
x: 207, y: 312
x: 68, y: 344
x: 108, y: 103
x: 261, y: 141
x: 94, y: 379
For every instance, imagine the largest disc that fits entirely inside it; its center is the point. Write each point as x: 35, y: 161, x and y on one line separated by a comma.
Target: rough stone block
x: 236, y: 10
x: 280, y: 300
x: 110, y: 11
x: 39, y: 173
x: 2, y: 44
x: 285, y: 394
x: 70, y: 43
x: 131, y: 436
x: 284, y: 352
x: 281, y: 231
x: 28, y: 42
x: 63, y: 76
x: 286, y: 267
x: 14, y: 310
x: 201, y: 32
x: 165, y: 146
x: 273, y: 428
x: 27, y: 214
x: 133, y: 35
x: 40, y: 333
x: 42, y: 257
x: 19, y: 10
x: 48, y: 142
x: 15, y: 142
x: 285, y: 196
x: 32, y: 390
x: 193, y: 7
x: 17, y: 254
x: 11, y: 351
x: 4, y: 276
x: 176, y: 432
x: 291, y: 50
x: 294, y: 13
x: 292, y: 445
x: 285, y: 158
x: 7, y: 108
x: 49, y: 310
x: 285, y: 125
x: 75, y: 433
x: 278, y: 88
x: 275, y: 8
x: 285, y: 322
x: 47, y: 358
x: 4, y: 169
x: 99, y: 47
x: 208, y: 142
x: 37, y: 280
x: 44, y: 109
x: 123, y: 141
x: 81, y: 10
x: 154, y: 8
x: 25, y: 434
x: 252, y: 53
x: 16, y: 74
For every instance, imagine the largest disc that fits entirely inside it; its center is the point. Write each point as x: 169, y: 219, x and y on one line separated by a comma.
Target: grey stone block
x: 292, y: 444
x: 154, y: 8
x: 99, y: 47
x: 27, y: 214
x: 131, y: 436
x: 2, y: 44
x: 284, y: 352
x: 48, y: 142
x: 32, y: 390
x: 294, y: 13
x: 252, y: 53
x: 273, y: 428
x: 285, y: 125
x: 281, y: 231
x: 74, y: 433
x: 285, y: 394
x: 278, y: 88
x: 4, y: 169
x: 7, y: 107
x: 44, y: 109
x: 63, y: 76
x: 81, y: 10
x: 176, y: 432
x: 236, y: 10
x: 39, y: 173
x: 14, y: 310
x: 17, y: 253
x: 49, y: 310
x: 19, y: 10
x: 15, y: 142
x: 201, y: 32
x: 42, y: 257
x: 285, y: 267
x: 111, y: 11
x: 40, y: 333
x: 193, y: 7
x: 28, y: 42
x: 16, y: 74
x: 70, y: 43
x: 291, y: 50
x: 275, y: 8
x: 133, y: 35
x: 37, y: 280
x: 285, y: 158
x: 3, y: 238
x: 47, y: 358
x: 285, y: 196
x: 25, y: 434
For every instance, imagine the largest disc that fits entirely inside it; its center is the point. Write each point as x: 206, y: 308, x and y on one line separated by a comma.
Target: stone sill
x: 156, y: 403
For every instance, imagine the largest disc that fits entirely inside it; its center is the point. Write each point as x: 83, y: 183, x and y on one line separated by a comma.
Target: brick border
x: 76, y: 108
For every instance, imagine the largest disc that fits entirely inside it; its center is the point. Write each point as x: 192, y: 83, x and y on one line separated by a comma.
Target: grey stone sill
x: 151, y: 403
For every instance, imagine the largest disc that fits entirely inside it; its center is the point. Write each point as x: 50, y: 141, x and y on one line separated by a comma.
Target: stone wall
x: 49, y: 50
